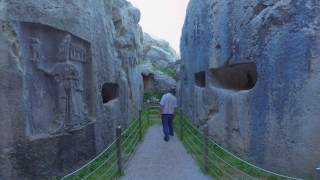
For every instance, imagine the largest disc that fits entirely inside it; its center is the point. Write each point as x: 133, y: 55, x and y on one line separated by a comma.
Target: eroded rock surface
x: 156, y: 80
x: 159, y: 65
x: 158, y: 51
x: 251, y: 71
x: 69, y: 75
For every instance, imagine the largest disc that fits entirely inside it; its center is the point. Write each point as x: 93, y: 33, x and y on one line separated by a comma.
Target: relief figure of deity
x: 72, y: 110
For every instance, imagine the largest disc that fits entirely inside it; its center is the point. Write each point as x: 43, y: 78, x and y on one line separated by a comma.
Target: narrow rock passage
x: 156, y: 159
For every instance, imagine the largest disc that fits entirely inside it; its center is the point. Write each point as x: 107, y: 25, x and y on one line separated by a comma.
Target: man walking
x: 168, y: 104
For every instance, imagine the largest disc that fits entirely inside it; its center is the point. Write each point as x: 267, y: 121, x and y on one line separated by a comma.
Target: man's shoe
x: 166, y: 139
x: 172, y: 134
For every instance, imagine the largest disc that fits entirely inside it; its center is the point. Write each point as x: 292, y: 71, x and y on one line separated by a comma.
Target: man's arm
x: 161, y: 109
x: 174, y: 112
x: 161, y: 105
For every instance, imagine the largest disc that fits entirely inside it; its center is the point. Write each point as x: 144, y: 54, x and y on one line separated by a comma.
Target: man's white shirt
x: 168, y: 103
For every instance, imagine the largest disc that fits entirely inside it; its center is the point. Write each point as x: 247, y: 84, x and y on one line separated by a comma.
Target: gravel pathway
x: 156, y: 159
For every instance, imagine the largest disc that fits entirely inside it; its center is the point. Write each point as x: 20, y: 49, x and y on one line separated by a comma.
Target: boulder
x: 158, y: 52
x: 155, y: 80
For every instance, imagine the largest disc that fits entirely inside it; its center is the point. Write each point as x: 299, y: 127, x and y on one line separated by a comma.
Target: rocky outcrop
x: 158, y: 51
x: 159, y: 65
x: 156, y: 81
x: 250, y: 70
x: 69, y: 75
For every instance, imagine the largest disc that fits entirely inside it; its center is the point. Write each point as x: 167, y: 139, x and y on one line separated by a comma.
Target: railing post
x: 318, y: 173
x: 119, y: 150
x: 148, y: 109
x: 181, y: 125
x: 140, y: 126
x: 149, y: 120
x: 205, y: 146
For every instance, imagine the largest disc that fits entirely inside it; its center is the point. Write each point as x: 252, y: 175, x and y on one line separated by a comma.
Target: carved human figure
x: 35, y: 50
x: 72, y: 111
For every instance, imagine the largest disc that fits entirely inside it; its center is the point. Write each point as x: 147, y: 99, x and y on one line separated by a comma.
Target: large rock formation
x: 158, y: 51
x: 159, y: 65
x: 68, y: 74
x: 251, y: 71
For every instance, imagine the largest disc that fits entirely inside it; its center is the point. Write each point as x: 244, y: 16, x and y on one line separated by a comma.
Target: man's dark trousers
x: 167, y: 124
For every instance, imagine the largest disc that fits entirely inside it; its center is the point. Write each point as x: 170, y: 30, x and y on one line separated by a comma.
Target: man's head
x: 64, y: 49
x: 172, y: 91
x: 35, y: 41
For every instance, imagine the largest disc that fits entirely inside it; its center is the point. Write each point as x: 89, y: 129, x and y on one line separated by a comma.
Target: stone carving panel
x: 58, y: 81
x: 197, y: 30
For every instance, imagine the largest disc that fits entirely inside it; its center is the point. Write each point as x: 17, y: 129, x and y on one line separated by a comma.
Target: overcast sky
x: 163, y: 18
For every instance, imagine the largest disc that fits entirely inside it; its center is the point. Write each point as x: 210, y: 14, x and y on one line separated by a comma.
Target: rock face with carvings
x: 250, y: 69
x: 69, y: 75
x: 158, y: 65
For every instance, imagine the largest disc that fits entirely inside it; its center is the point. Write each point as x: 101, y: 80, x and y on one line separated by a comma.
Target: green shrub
x: 150, y: 95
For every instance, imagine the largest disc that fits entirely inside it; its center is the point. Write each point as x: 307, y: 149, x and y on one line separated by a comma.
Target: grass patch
x: 166, y: 71
x: 222, y: 164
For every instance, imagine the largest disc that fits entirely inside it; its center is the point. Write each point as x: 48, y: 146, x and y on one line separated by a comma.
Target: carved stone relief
x: 197, y: 30
x: 58, y: 66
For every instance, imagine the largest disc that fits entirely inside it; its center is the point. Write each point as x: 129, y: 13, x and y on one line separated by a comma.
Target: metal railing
x: 214, y: 159
x: 318, y: 173
x: 110, y: 163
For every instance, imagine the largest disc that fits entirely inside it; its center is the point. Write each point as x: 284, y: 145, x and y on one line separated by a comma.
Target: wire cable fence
x: 110, y: 163
x: 214, y: 159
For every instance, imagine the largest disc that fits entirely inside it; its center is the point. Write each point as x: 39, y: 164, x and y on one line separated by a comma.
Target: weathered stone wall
x: 129, y: 43
x: 55, y: 58
x: 261, y: 91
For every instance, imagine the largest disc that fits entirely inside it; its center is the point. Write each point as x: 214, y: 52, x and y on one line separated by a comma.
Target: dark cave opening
x: 236, y: 77
x: 148, y: 82
x: 109, y: 92
x: 200, y: 79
